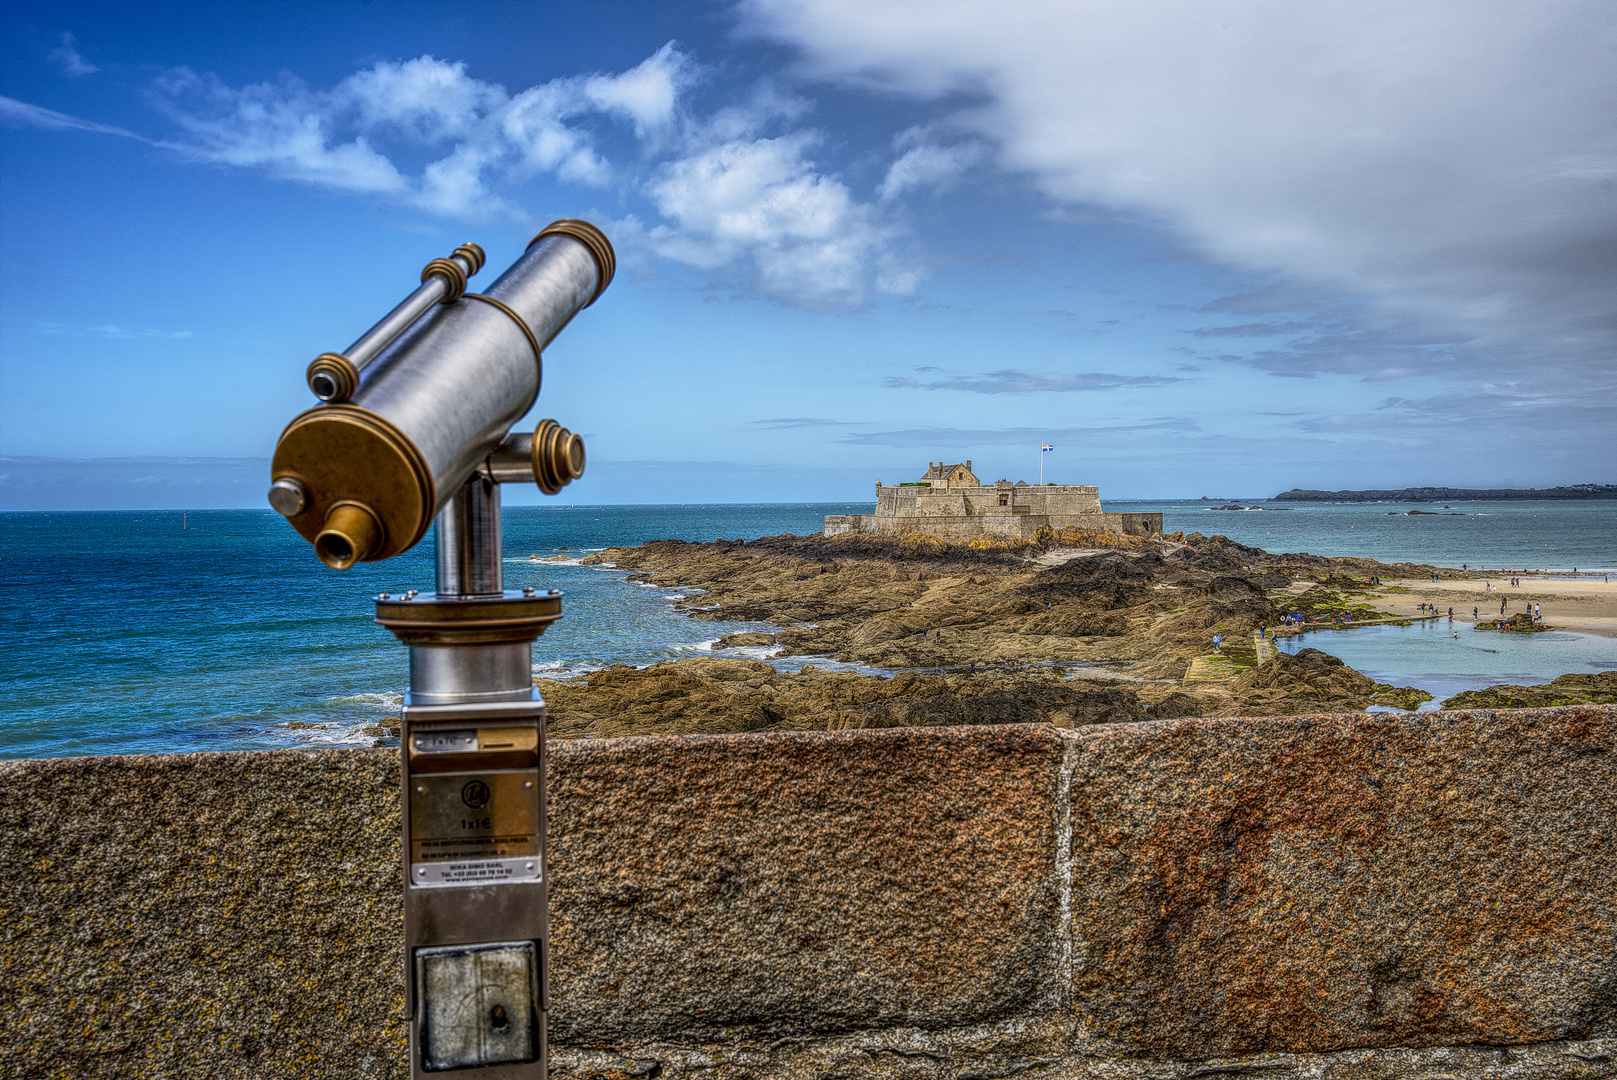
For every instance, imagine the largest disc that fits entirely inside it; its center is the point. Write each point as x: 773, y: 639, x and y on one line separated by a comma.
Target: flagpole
x: 1041, y: 466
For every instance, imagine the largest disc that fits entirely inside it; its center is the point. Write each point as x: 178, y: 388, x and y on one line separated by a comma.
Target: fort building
x: 950, y: 503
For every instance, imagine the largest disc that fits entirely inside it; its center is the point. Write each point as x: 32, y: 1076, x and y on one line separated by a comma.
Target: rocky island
x: 1072, y: 629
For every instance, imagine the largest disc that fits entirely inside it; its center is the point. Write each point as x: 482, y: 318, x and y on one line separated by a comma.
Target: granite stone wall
x: 1346, y: 896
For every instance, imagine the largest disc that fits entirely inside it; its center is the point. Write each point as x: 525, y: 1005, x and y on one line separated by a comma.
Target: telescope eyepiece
x: 351, y: 534
x: 333, y: 377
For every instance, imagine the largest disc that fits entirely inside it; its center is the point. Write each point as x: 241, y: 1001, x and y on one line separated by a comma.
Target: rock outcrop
x: 1307, y: 681
x: 923, y: 604
x: 723, y: 695
x: 1015, y: 614
x: 1596, y: 689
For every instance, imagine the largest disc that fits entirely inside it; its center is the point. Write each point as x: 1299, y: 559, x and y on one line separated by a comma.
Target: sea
x: 179, y: 631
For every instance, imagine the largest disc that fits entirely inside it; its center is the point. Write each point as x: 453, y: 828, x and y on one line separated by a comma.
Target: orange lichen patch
x: 1315, y: 883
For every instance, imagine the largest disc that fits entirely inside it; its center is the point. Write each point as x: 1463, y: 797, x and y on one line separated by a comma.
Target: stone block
x: 217, y: 915
x: 802, y: 882
x: 1317, y: 883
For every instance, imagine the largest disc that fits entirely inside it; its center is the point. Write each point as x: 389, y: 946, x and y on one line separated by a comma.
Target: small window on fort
x: 1003, y: 501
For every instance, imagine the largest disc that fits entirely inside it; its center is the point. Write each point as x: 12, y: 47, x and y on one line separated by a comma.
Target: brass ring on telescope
x: 471, y: 253
x: 454, y: 276
x: 538, y: 359
x: 590, y: 237
x: 342, y: 372
x: 555, y: 462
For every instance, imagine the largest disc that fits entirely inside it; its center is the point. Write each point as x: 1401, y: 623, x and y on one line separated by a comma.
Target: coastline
x: 1580, y: 605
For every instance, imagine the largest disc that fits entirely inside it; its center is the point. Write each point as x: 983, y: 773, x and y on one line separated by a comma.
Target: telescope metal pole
x: 473, y: 776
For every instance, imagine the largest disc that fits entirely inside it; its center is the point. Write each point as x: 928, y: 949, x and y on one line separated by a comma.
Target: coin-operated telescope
x: 414, y: 427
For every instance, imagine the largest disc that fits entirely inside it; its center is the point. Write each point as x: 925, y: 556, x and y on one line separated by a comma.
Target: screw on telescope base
x: 288, y: 497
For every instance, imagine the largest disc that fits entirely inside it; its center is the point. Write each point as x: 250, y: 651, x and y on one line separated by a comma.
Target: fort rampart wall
x: 1348, y: 896
x: 963, y: 529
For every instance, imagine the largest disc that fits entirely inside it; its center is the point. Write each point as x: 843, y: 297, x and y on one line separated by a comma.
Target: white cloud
x: 109, y: 330
x: 1453, y: 161
x: 925, y: 164
x: 285, y: 130
x: 336, y: 138
x: 806, y: 235
x: 647, y: 94
x: 67, y: 57
x: 425, y: 98
x: 1017, y: 381
x: 14, y: 113
x: 737, y: 191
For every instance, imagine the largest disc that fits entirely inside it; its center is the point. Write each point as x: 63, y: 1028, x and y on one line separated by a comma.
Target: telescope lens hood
x: 351, y: 534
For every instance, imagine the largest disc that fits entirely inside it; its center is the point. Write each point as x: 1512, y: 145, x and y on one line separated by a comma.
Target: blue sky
x: 1221, y: 248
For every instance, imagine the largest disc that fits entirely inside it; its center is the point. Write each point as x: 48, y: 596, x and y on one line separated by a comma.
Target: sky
x: 1222, y: 248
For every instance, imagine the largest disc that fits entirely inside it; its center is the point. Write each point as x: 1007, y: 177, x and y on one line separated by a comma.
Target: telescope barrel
x: 435, y: 404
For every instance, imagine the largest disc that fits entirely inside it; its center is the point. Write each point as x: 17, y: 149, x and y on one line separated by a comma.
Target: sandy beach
x: 1581, y: 605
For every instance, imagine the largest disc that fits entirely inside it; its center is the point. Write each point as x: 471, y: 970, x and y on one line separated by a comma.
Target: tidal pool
x: 1427, y: 655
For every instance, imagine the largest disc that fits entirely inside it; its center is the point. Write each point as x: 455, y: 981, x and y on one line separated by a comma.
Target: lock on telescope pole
x: 414, y: 428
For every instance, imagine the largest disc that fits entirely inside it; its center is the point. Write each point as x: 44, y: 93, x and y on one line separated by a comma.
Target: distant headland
x: 1445, y: 494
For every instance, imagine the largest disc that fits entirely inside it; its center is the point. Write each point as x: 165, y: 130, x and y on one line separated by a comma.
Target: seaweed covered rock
x: 1597, y: 689
x: 718, y: 695
x: 1519, y: 623
x: 1307, y: 681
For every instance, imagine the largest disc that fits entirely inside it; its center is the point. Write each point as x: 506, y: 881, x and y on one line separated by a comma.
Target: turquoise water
x: 157, y: 631
x: 149, y: 632
x: 1427, y: 655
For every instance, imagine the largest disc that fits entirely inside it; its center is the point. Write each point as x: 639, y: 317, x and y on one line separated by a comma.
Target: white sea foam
x: 559, y: 670
x: 759, y: 652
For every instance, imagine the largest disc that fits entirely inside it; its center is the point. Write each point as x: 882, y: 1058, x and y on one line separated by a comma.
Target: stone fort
x: 950, y: 503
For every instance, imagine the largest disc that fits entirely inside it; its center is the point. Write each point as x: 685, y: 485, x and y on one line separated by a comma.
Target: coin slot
x: 474, y: 748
